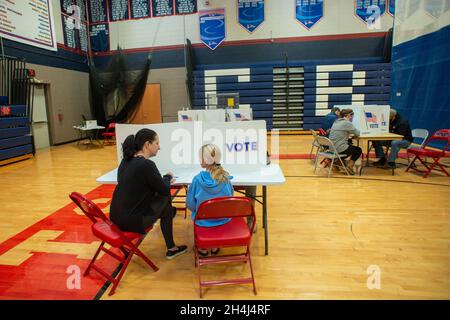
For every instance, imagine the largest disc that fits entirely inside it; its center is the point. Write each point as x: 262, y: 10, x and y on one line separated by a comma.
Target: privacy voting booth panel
x: 243, y: 144
x: 370, y: 119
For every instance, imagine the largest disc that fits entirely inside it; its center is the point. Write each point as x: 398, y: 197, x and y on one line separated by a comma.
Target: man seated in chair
x: 329, y: 119
x: 397, y: 124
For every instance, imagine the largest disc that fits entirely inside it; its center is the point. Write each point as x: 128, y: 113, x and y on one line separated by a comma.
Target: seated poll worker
x: 211, y: 183
x: 329, y: 119
x: 340, y: 134
x: 397, y: 124
x: 142, y: 196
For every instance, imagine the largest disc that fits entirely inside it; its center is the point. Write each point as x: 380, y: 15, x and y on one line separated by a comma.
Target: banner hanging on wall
x: 99, y: 34
x: 370, y: 11
x: 391, y: 7
x: 212, y: 27
x: 97, y: 11
x: 250, y: 13
x: 29, y: 22
x: 308, y: 12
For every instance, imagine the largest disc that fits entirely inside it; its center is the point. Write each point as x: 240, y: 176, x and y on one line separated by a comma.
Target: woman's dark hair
x: 345, y: 112
x: 134, y: 143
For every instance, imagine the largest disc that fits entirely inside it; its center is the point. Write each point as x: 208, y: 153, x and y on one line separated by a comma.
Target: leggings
x: 353, y: 152
x: 166, y: 224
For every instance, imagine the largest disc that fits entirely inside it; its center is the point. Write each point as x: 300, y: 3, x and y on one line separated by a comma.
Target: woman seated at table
x: 211, y: 183
x: 340, y: 134
x: 142, y: 196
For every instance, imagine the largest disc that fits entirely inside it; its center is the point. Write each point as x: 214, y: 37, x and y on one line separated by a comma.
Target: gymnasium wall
x: 421, y: 63
x: 339, y: 37
x: 67, y: 72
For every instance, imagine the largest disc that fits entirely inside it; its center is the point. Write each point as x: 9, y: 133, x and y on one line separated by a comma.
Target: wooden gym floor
x: 324, y: 233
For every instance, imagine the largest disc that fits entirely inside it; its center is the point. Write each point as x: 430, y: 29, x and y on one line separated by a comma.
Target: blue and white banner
x: 212, y: 27
x: 391, y: 7
x: 370, y: 10
x: 250, y: 13
x: 308, y: 12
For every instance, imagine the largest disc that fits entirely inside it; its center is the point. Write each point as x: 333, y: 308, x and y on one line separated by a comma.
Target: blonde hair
x: 210, y: 154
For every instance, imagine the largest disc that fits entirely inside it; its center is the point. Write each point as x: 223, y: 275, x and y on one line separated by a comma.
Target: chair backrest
x: 225, y: 207
x: 326, y: 144
x: 440, y: 135
x: 89, y: 208
x: 314, y: 133
x: 111, y: 126
x: 322, y: 132
x: 420, y: 134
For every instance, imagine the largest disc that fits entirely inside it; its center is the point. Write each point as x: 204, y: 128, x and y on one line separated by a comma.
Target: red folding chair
x: 235, y: 233
x: 426, y: 152
x: 109, y: 135
x: 109, y: 233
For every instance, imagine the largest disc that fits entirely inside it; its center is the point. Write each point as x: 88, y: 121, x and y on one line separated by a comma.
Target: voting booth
x: 217, y: 115
x: 241, y: 114
x: 243, y: 144
x: 370, y: 119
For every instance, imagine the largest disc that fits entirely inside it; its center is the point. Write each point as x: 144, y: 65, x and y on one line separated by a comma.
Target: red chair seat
x: 425, y: 152
x: 104, y: 231
x: 108, y: 134
x: 233, y: 233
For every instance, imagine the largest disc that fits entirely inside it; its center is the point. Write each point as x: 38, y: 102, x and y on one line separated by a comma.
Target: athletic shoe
x: 215, y: 252
x: 170, y: 254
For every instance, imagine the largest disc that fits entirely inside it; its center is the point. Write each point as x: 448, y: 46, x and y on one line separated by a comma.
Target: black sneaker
x: 380, y: 163
x: 391, y: 165
x: 170, y: 254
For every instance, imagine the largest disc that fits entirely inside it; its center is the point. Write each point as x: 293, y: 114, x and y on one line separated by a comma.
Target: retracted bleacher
x: 296, y: 95
x: 16, y: 142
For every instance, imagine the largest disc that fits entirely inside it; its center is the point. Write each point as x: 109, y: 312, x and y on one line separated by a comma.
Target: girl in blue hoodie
x: 211, y: 183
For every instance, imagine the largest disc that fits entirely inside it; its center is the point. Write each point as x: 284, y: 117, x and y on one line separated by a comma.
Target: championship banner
x: 99, y: 37
x: 391, y: 7
x: 28, y: 22
x: 308, y: 12
x: 370, y: 10
x: 250, y: 13
x: 212, y: 27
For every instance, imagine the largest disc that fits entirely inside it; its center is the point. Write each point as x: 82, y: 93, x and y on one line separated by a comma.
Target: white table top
x: 86, y: 129
x: 268, y: 175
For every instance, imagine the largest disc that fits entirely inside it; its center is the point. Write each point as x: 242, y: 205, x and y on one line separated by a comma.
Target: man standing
x: 399, y: 125
x: 328, y: 120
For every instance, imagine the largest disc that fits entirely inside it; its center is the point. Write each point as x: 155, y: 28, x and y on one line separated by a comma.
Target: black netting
x: 117, y: 89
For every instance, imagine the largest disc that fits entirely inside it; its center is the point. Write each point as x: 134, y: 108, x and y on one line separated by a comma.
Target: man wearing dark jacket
x: 399, y: 125
x: 329, y: 119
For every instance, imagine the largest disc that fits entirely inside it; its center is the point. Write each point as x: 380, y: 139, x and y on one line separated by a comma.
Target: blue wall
x: 421, y: 73
x: 248, y: 53
x: 58, y: 59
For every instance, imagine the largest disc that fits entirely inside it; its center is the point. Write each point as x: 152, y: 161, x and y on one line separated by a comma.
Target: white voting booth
x: 241, y: 114
x: 216, y: 115
x: 370, y: 119
x: 243, y: 144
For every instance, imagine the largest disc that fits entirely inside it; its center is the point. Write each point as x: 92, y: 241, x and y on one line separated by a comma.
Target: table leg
x: 266, y: 233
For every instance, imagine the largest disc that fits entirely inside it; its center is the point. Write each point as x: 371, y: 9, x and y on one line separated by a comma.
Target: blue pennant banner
x: 250, y: 13
x: 370, y: 10
x: 212, y: 27
x: 391, y: 7
x: 308, y: 12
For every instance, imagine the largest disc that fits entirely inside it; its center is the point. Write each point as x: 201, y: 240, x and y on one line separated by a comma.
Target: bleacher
x: 296, y: 95
x: 15, y: 138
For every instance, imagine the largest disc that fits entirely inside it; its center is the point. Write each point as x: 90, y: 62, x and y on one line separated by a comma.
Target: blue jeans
x: 396, y: 145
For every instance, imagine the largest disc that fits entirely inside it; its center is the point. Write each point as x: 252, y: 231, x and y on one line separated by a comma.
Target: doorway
x: 149, y: 109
